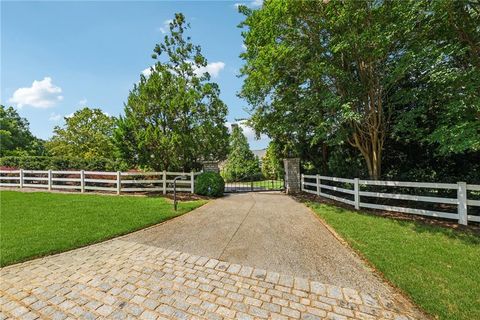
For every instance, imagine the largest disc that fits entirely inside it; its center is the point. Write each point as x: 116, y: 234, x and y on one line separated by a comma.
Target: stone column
x: 210, y: 166
x: 292, y: 175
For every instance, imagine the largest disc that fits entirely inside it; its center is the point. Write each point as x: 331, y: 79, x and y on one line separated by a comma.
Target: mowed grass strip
x: 33, y: 224
x: 438, y: 268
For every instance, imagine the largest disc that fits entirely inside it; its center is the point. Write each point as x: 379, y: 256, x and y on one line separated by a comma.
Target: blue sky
x: 58, y: 56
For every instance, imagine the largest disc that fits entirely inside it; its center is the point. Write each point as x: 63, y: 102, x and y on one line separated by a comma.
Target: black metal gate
x: 254, y: 183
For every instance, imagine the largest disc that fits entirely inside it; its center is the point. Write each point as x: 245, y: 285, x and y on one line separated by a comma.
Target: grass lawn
x: 266, y: 184
x: 438, y: 268
x: 34, y: 224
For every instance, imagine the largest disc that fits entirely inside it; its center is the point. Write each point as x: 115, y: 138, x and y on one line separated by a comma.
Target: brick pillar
x: 292, y: 175
x: 210, y: 166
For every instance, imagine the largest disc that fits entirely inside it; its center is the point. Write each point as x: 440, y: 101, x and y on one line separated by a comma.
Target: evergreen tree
x: 272, y: 167
x: 174, y: 117
x: 241, y: 163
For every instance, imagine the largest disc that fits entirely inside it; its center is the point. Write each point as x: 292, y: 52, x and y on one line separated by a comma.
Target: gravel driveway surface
x: 245, y: 256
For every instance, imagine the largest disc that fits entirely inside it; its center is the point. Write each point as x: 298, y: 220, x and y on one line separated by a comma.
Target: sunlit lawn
x: 37, y: 223
x: 265, y: 184
x: 438, y: 268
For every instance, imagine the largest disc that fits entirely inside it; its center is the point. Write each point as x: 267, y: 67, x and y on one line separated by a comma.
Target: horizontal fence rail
x: 116, y: 182
x: 449, y: 200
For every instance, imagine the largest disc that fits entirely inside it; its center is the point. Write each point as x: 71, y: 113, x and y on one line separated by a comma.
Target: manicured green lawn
x: 37, y: 223
x: 438, y: 268
x: 267, y: 184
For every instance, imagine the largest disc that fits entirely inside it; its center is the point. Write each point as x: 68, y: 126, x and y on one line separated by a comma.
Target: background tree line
x: 384, y: 89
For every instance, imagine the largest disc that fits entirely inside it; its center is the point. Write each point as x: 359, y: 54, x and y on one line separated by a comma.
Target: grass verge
x: 439, y: 268
x: 34, y: 224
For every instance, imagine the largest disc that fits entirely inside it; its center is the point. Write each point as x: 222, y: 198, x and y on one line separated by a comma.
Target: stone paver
x: 267, y: 231
x: 120, y: 279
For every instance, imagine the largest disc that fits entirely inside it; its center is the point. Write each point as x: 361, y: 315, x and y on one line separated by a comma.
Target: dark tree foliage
x: 368, y: 88
x: 15, y: 136
x: 174, y: 117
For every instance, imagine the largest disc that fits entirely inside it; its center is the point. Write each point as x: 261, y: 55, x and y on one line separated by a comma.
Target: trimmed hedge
x: 209, y: 184
x: 60, y: 163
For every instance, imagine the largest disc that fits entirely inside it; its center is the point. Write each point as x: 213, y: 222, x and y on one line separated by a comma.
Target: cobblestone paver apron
x: 119, y: 279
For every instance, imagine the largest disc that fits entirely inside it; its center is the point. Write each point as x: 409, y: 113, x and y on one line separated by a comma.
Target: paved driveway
x: 246, y: 256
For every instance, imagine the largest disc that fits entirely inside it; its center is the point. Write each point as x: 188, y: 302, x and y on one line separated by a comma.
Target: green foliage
x: 439, y: 102
x: 209, y: 184
x: 174, y: 117
x: 87, y: 134
x: 15, y: 135
x: 61, y: 163
x: 336, y: 75
x: 241, y: 163
x: 35, y: 224
x: 272, y: 167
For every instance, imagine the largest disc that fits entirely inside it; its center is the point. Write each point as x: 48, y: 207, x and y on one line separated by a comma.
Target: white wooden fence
x: 351, y: 191
x: 116, y: 182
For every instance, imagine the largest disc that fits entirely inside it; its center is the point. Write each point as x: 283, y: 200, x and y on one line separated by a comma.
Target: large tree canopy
x: 15, y: 135
x: 86, y: 134
x: 360, y: 73
x: 174, y: 117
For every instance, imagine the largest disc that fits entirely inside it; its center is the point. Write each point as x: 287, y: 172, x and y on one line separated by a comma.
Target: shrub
x: 209, y: 184
x: 60, y: 163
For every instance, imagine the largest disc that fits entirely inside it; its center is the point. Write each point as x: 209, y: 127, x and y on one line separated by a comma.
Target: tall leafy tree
x: 86, y: 134
x: 364, y: 74
x: 241, y: 163
x: 439, y: 101
x: 321, y: 71
x: 174, y: 117
x: 15, y: 135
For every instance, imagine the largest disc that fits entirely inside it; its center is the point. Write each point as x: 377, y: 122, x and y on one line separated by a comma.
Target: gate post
x: 292, y: 175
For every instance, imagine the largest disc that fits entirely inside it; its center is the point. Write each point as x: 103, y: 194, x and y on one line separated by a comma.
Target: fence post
x: 302, y: 180
x: 82, y: 181
x: 462, y: 203
x: 49, y: 180
x: 119, y: 182
x: 21, y: 178
x: 356, y: 190
x: 318, y: 184
x: 164, y: 178
x: 192, y: 182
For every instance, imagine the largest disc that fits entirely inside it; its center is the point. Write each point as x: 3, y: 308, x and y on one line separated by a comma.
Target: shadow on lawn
x: 467, y: 235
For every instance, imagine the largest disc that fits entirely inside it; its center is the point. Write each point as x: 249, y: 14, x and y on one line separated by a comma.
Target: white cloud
x: 83, y: 102
x: 147, y: 72
x: 55, y: 117
x: 42, y: 94
x: 70, y: 115
x: 213, y: 69
x: 166, y: 25
x: 248, y: 132
x: 252, y: 4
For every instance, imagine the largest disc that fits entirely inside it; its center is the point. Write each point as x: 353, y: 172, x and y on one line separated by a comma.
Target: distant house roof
x: 260, y: 153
